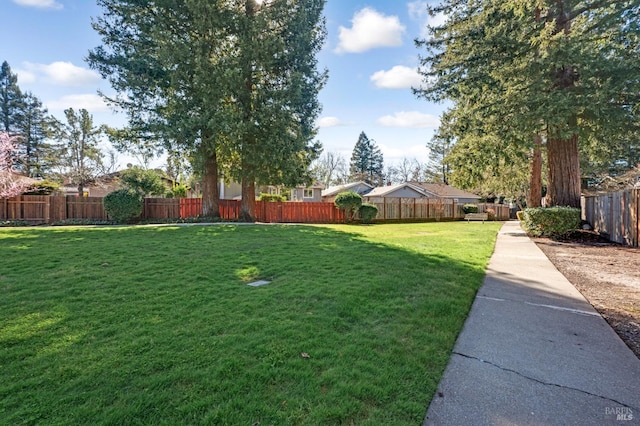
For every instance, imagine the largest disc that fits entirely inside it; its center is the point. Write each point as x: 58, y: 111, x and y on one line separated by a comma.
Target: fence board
x: 28, y: 208
x: 229, y: 209
x: 161, y: 208
x: 85, y: 208
x: 614, y: 215
x: 190, y: 207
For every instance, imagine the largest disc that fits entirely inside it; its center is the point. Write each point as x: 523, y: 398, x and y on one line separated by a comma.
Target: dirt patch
x: 607, y: 275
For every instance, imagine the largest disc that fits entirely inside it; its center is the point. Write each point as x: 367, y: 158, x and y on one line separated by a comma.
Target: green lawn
x: 156, y: 325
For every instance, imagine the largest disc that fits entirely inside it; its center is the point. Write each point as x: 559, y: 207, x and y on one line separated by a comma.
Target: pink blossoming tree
x: 11, y: 184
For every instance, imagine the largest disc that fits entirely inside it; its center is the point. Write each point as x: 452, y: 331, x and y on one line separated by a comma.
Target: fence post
x: 635, y: 216
x: 47, y: 210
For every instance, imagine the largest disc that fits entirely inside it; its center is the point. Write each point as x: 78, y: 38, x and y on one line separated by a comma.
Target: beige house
x: 362, y: 188
x: 402, y: 190
x: 233, y: 191
x: 311, y: 193
x: 441, y: 190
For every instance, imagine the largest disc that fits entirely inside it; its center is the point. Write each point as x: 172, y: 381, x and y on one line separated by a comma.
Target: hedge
x: 550, y: 221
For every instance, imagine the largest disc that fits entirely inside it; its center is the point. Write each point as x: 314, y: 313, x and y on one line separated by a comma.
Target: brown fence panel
x: 502, y: 211
x: 4, y: 205
x: 28, y: 208
x: 190, y: 207
x: 85, y: 208
x: 229, y: 209
x: 57, y: 208
x: 161, y: 208
x: 615, y: 215
x: 298, y: 212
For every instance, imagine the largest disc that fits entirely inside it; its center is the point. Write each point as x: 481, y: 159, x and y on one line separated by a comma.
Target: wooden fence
x: 42, y: 209
x: 615, y: 215
x: 501, y: 211
x: 391, y: 209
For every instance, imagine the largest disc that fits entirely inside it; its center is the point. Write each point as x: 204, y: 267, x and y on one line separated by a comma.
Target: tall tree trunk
x: 535, y: 179
x: 248, y: 203
x: 210, y: 188
x: 564, y: 172
x: 248, y: 184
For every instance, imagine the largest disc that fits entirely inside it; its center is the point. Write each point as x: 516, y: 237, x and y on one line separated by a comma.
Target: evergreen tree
x: 234, y: 83
x: 34, y: 128
x: 367, y: 163
x: 10, y: 100
x: 562, y: 70
x: 438, y: 167
x: 78, y: 138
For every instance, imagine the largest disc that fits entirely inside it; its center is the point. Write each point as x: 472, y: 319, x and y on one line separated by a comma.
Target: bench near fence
x: 476, y: 216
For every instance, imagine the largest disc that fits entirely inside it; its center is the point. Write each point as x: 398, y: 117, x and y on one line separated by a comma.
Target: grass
x: 156, y: 325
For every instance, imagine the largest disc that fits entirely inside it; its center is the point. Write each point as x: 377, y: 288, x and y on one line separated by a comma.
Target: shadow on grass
x: 156, y: 324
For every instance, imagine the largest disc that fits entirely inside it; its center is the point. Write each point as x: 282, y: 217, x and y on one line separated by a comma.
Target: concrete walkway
x: 533, y: 351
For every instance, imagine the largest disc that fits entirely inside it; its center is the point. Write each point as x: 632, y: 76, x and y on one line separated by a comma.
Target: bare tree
x: 330, y: 169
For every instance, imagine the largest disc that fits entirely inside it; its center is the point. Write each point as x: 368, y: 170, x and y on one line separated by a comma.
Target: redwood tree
x: 567, y: 70
x: 233, y: 82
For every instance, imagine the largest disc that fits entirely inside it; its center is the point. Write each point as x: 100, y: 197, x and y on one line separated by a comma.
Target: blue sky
x: 369, y: 53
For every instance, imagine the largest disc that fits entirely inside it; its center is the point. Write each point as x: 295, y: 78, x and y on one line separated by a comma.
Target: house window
x: 308, y: 193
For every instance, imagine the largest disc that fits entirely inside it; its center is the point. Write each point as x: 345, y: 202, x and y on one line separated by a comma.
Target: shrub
x: 368, y: 212
x: 550, y: 222
x: 179, y: 191
x: 144, y: 182
x: 43, y: 187
x: 470, y: 208
x: 350, y: 202
x: 491, y: 214
x: 271, y: 197
x: 123, y: 205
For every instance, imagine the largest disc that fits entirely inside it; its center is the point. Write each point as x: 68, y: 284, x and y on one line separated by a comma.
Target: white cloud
x: 370, y: 29
x: 42, y: 4
x: 418, y: 12
x: 91, y: 102
x: 60, y: 74
x: 398, y: 77
x: 410, y: 119
x: 394, y: 154
x: 329, y: 122
x: 25, y: 77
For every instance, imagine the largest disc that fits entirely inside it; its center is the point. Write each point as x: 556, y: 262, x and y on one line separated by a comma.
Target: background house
x: 441, y: 190
x: 362, y: 188
x: 402, y: 190
x: 311, y: 193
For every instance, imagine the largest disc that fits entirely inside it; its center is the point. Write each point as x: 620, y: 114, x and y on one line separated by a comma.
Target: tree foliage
x: 123, y: 205
x: 566, y: 70
x: 232, y: 82
x: 80, y: 155
x: 350, y: 202
x: 330, y: 169
x: 10, y: 99
x: 142, y: 181
x: 22, y: 115
x: 367, y: 162
x: 11, y: 184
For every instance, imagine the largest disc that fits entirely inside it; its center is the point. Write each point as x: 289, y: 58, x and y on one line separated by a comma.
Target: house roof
x: 333, y: 190
x: 446, y: 191
x: 17, y: 177
x: 383, y: 191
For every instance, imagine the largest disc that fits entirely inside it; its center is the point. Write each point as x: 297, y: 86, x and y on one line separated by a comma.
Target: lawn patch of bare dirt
x: 607, y: 275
